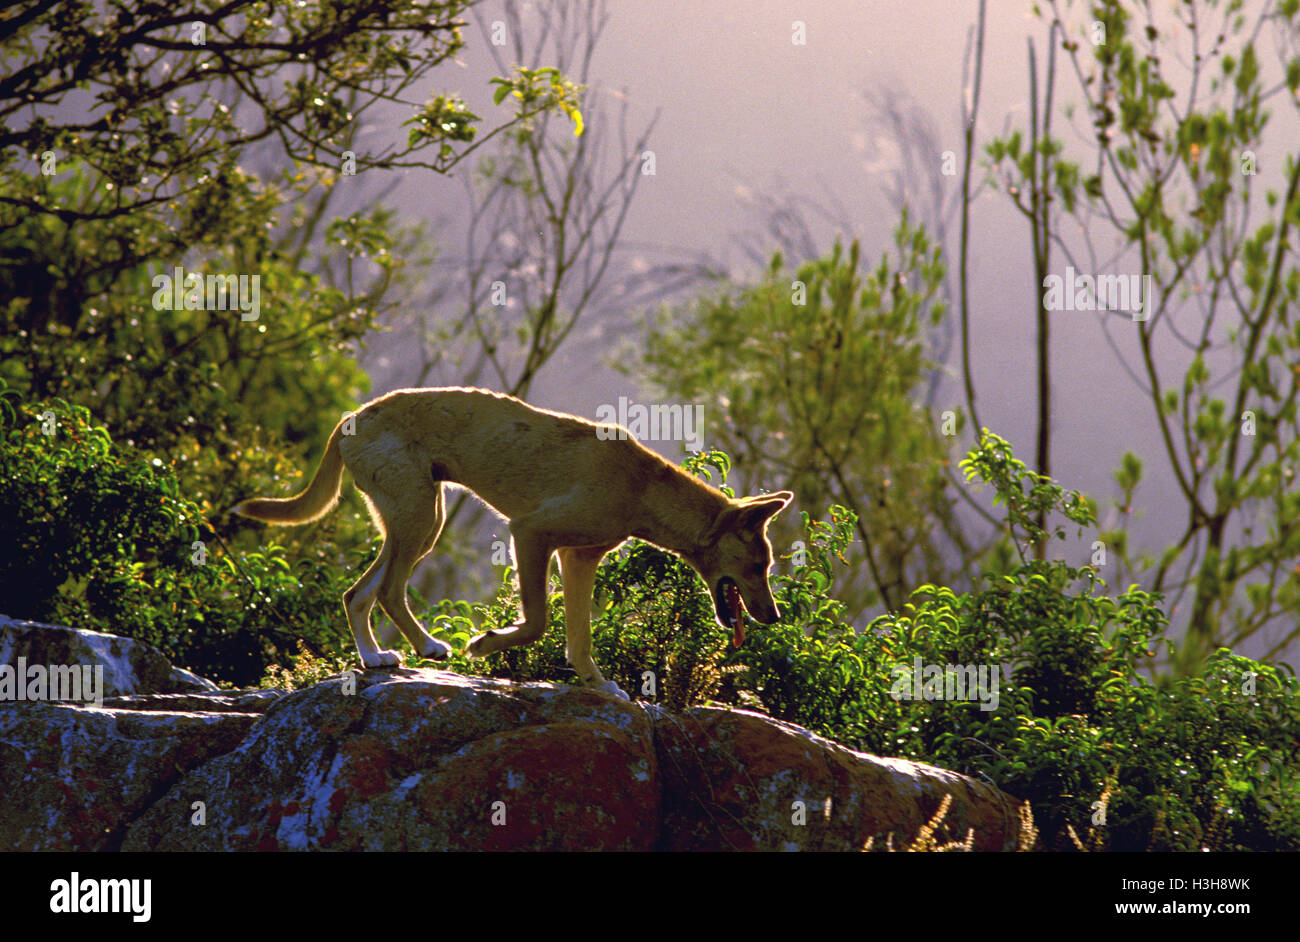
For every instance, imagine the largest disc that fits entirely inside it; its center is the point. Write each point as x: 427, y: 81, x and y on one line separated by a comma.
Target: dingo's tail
x: 316, y: 500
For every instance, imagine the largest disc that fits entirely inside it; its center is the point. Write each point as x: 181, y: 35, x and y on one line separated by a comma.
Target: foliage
x: 93, y: 205
x: 1202, y: 198
x: 163, y: 87
x: 1028, y: 496
x: 834, y: 358
x: 98, y: 535
x: 304, y: 670
x: 545, y: 209
x: 205, y: 388
x: 130, y: 149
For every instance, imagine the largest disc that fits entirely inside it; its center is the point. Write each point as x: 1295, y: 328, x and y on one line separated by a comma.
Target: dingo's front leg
x: 532, y: 559
x: 578, y: 569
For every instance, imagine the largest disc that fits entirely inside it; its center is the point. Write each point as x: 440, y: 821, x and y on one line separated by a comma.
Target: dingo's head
x: 735, y: 559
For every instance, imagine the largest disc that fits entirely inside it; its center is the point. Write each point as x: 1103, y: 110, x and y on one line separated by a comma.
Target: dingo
x: 561, y: 487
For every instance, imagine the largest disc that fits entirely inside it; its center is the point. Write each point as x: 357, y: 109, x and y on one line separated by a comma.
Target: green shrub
x: 95, y: 535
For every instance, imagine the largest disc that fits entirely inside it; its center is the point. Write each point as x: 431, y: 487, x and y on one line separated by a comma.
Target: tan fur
x: 562, y: 488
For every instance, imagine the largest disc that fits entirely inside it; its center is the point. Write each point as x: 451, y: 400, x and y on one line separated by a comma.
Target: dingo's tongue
x: 737, y: 612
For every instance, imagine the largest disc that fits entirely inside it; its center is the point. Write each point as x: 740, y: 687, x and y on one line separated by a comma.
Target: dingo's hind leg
x: 412, y: 540
x: 358, y: 601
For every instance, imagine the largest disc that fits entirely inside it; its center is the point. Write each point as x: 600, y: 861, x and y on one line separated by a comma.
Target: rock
x: 227, y: 701
x: 417, y: 759
x: 183, y: 680
x: 129, y: 666
x: 73, y: 777
x: 404, y: 759
x: 732, y: 778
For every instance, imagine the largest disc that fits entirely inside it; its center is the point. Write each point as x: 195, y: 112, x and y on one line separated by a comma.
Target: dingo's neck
x: 679, y: 512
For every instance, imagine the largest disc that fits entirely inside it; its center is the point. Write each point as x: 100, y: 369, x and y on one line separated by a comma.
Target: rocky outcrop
x: 127, y: 666
x: 75, y: 777
x: 406, y: 759
x: 736, y: 780
x: 413, y: 759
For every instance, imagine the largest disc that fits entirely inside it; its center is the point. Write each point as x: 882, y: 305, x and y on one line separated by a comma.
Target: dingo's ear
x: 756, y: 511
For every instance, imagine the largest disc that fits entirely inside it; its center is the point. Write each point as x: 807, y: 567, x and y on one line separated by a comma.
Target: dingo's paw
x: 480, y: 645
x: 436, y: 650
x: 382, y: 659
x: 612, y: 688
